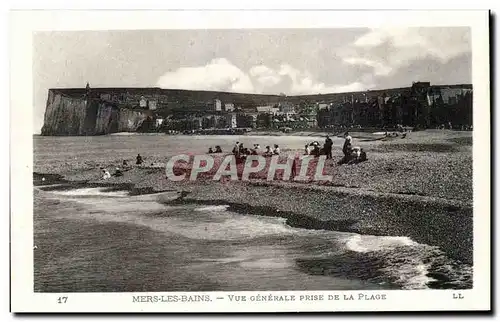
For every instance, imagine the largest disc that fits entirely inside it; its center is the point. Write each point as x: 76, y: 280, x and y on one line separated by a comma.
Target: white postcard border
x: 23, y: 23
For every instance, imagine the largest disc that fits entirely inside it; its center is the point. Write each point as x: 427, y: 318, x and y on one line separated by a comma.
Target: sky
x: 274, y: 61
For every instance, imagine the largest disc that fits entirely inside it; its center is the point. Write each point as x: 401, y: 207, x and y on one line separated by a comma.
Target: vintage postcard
x: 250, y: 161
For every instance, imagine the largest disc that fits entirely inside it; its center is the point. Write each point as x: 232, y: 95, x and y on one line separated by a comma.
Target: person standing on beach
x: 241, y: 151
x: 236, y: 148
x: 294, y: 167
x: 346, y: 149
x: 139, y: 160
x: 328, y: 147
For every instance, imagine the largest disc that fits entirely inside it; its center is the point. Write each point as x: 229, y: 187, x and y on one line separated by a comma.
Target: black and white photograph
x: 195, y: 166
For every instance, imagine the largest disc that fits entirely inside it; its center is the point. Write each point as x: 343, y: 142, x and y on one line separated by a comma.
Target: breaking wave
x: 92, y: 192
x: 212, y: 208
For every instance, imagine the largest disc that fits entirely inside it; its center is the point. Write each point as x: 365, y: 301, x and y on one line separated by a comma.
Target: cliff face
x: 70, y: 115
x: 64, y: 115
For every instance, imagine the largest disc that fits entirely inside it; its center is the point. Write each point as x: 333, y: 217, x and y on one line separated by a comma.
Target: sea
x: 108, y: 239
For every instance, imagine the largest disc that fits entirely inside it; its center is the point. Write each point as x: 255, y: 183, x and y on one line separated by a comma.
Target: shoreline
x: 302, y: 133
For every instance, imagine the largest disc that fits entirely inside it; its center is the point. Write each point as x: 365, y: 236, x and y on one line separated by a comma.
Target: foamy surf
x: 212, y: 208
x: 228, y: 227
x: 92, y: 192
x: 367, y: 243
x: 413, y: 276
x: 408, y: 263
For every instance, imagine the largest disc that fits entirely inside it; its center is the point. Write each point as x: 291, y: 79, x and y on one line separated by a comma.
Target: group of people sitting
x: 119, y: 171
x: 239, y: 150
x: 217, y: 149
x: 313, y: 148
x: 106, y: 175
x: 351, y: 154
x: 274, y: 151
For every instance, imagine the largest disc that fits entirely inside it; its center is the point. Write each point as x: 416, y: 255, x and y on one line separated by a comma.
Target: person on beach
x: 118, y: 172
x: 105, y: 174
x: 355, y: 155
x: 362, y: 156
x: 268, y: 151
x: 241, y: 150
x: 316, y: 151
x: 358, y: 155
x: 347, y: 136
x: 294, y: 167
x: 125, y: 163
x: 246, y: 151
x: 276, y: 150
x: 328, y: 147
x: 139, y: 160
x: 306, y: 150
x: 218, y: 149
x: 236, y: 148
x: 210, y: 151
x: 346, y: 149
x: 255, y: 150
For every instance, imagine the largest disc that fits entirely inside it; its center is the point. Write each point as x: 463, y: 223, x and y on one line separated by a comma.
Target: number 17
x: 62, y: 299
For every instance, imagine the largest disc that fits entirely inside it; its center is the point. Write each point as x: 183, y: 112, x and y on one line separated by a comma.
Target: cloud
x: 221, y: 75
x: 304, y: 83
x: 218, y: 75
x: 379, y: 68
x: 388, y: 50
x: 265, y: 75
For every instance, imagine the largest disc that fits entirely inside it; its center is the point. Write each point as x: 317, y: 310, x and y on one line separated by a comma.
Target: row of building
x: 419, y: 105
x: 429, y: 107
